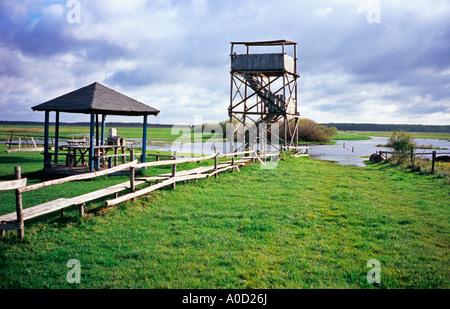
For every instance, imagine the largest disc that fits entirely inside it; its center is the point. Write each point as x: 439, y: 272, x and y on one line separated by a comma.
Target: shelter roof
x: 99, y: 99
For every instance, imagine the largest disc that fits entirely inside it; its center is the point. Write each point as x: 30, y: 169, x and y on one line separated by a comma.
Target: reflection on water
x: 348, y: 152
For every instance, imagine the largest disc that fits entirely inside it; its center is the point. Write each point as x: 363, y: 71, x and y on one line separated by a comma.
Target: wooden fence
x: 413, y: 155
x: 15, y: 220
x: 29, y: 141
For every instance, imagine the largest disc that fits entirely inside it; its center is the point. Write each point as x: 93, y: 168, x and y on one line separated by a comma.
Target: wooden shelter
x: 94, y: 99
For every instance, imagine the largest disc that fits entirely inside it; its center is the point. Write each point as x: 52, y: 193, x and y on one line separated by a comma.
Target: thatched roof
x: 99, y: 99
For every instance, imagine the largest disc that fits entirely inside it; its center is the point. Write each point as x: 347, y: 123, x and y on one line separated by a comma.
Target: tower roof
x: 265, y: 43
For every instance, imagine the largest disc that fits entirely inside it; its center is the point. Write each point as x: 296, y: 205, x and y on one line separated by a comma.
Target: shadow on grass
x: 71, y: 216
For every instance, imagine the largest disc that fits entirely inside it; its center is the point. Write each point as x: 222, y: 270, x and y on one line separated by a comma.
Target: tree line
x: 390, y: 127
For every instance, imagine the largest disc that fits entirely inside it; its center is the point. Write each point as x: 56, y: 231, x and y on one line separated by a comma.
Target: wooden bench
x: 61, y: 203
x: 160, y: 156
x: 15, y: 220
x: 16, y: 223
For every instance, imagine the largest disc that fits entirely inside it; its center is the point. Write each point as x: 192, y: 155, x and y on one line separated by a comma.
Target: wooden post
x: 144, y: 140
x: 81, y: 209
x: 174, y: 168
x: 10, y: 142
x: 232, y: 162
x: 132, y: 186
x: 215, y: 162
x: 28, y: 143
x: 56, y: 137
x: 264, y: 147
x: 47, y: 162
x: 124, y: 158
x: 116, y: 151
x: 91, y: 141
x: 19, y: 204
x: 412, y: 156
x: 97, y: 131
x: 102, y: 140
x: 433, y: 159
x: 20, y: 141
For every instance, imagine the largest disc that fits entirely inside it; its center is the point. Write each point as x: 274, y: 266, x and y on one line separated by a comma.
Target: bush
x: 311, y: 131
x: 308, y: 130
x: 403, y: 145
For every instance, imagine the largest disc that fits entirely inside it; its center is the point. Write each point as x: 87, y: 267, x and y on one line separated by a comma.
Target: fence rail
x: 414, y: 155
x: 15, y: 220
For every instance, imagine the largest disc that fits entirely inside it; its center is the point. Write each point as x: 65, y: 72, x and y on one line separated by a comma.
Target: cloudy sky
x: 372, y: 61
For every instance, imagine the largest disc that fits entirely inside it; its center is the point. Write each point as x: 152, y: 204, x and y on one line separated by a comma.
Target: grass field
x: 70, y: 131
x: 305, y: 224
x: 170, y: 134
x: 367, y: 134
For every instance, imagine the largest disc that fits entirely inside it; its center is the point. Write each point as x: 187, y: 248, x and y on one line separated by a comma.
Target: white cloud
x: 323, y: 12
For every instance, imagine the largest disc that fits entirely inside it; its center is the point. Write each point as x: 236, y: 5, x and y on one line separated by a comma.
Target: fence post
x: 11, y: 141
x: 19, y: 205
x: 132, y: 171
x: 412, y: 156
x: 215, y: 162
x: 232, y: 162
x: 433, y: 159
x: 81, y: 209
x: 174, y: 168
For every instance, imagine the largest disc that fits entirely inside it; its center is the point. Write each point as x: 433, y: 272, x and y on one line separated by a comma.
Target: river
x: 345, y: 152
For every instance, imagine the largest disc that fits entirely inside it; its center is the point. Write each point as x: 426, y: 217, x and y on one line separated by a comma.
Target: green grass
x: 69, y: 131
x: 388, y: 134
x: 304, y: 224
x: 163, y: 134
x: 349, y: 136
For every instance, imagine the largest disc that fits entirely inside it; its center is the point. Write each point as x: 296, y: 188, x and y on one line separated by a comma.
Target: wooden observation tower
x: 264, y: 91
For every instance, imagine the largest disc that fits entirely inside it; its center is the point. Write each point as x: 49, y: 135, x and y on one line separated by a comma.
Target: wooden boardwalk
x: 15, y: 220
x: 61, y: 203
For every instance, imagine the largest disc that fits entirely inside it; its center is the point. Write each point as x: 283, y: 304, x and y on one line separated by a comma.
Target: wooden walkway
x: 15, y: 220
x: 61, y: 203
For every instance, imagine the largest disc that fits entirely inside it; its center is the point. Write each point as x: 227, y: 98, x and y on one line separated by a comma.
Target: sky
x: 367, y: 61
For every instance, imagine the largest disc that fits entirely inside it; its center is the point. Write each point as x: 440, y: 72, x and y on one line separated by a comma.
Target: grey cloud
x: 190, y: 50
x: 132, y: 78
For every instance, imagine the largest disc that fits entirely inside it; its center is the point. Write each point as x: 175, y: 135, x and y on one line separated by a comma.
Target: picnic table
x: 78, y: 154
x: 76, y: 142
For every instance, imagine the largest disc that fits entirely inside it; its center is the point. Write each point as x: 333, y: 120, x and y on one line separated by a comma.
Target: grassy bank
x: 177, y: 133
x: 350, y: 136
x: 304, y: 224
x: 362, y: 134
